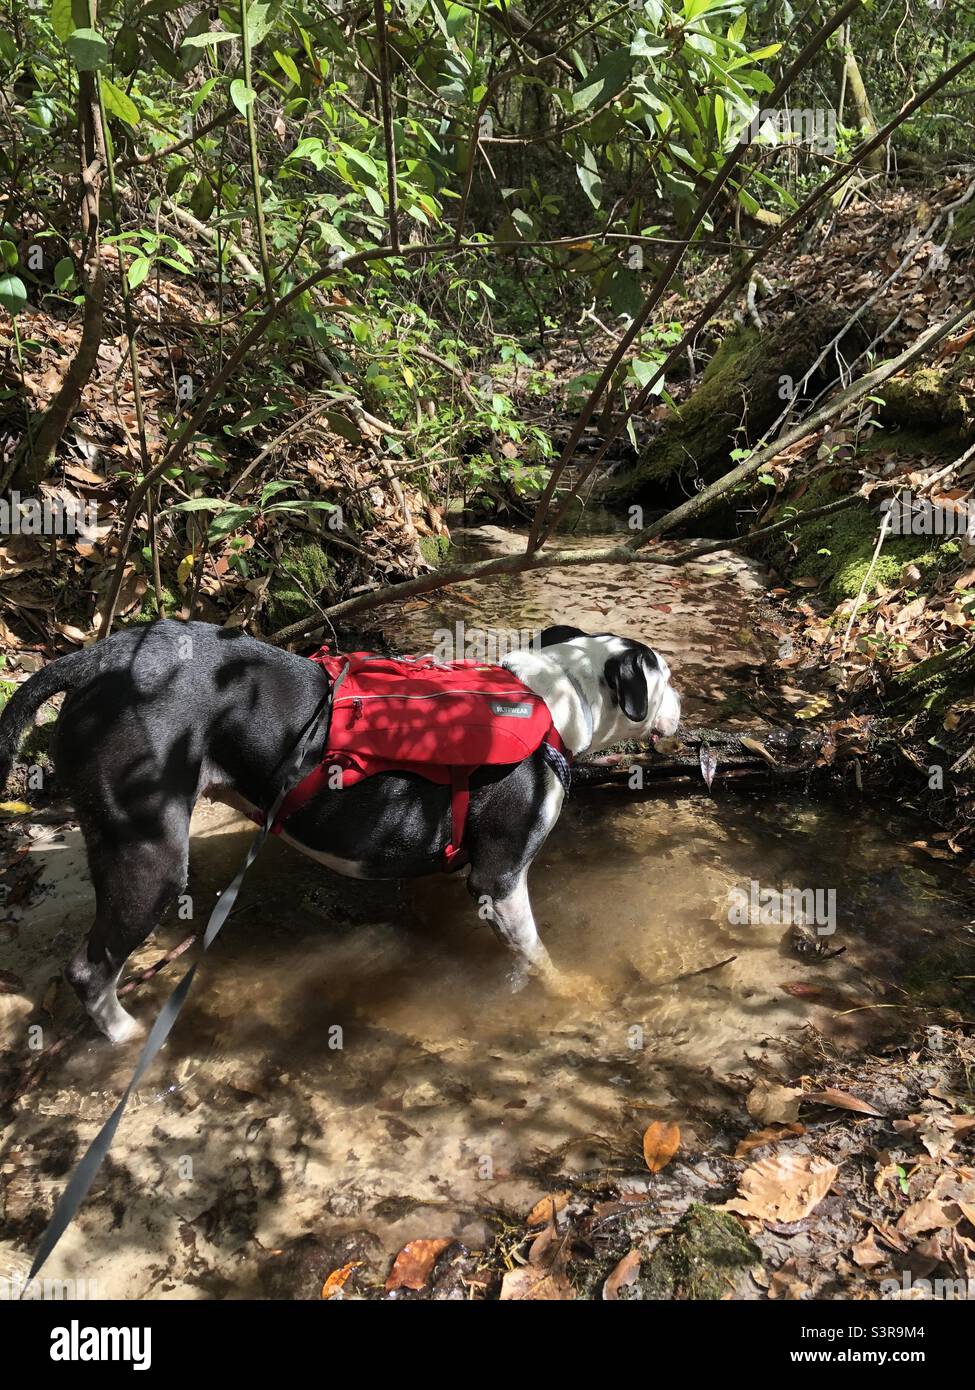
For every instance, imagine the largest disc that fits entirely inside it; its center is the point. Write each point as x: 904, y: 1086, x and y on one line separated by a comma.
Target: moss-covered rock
x: 739, y: 395
x: 838, y: 550
x: 707, y: 1256
x: 931, y: 397
x: 434, y: 549
x: 963, y: 227
x: 149, y: 611
x: 303, y: 578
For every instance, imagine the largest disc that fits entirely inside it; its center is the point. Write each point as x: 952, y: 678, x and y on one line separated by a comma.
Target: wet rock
x: 457, y: 1272
x: 345, y: 1203
x: 707, y: 1256
x: 299, y: 1269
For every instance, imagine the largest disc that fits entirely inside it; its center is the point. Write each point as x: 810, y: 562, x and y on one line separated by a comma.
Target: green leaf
x: 360, y: 161
x: 126, y: 51
x: 693, y: 8
x: 203, y: 94
x: 524, y: 226
x: 288, y: 66
x: 229, y: 520
x: 201, y: 199
x: 343, y: 426
x: 8, y: 254
x: 312, y: 149
x: 279, y: 485
x: 648, y: 45
x: 165, y: 57
x: 62, y: 20
x: 138, y: 271
x: 259, y: 21
x: 374, y: 199
x: 64, y: 273
x: 241, y: 95
x: 765, y: 52
x: 608, y: 77
x: 643, y: 371
x: 88, y: 50
x: 175, y: 177
x: 211, y: 36
x: 588, y: 176
x: 754, y: 79
x: 119, y: 103
x: 13, y: 294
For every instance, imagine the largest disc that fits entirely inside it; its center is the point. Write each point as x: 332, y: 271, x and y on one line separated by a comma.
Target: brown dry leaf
x: 771, y: 1104
x: 626, y: 1273
x: 967, y: 1211
x: 760, y: 1137
x: 73, y: 634
x: 842, y: 1100
x: 958, y: 1251
x: 81, y: 474
x: 412, y: 1266
x: 338, y: 1279
x: 783, y: 1187
x: 536, y: 1284
x: 132, y: 592
x: 937, y: 1133
x: 753, y: 746
x: 926, y: 1215
x: 546, y: 1207
x: 936, y: 1130
x: 866, y: 1254
x: 787, y: 1284
x: 660, y: 1142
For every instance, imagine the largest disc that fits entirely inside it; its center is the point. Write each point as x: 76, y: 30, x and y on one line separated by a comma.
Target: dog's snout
x: 668, y: 715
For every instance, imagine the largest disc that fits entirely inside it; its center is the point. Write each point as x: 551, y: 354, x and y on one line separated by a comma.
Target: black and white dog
x: 158, y: 715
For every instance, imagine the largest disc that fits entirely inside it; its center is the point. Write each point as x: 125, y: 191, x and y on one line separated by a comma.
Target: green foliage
x: 564, y: 157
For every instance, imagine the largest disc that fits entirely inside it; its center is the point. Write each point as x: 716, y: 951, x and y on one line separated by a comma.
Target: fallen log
x: 779, y: 755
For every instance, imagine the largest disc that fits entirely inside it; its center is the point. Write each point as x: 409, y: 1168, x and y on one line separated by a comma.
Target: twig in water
x: 689, y: 974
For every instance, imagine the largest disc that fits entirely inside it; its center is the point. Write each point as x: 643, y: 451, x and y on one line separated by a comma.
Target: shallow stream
x: 352, y: 1062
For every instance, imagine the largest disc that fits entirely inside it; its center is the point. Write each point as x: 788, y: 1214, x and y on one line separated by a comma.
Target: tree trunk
x: 35, y: 458
x: 852, y: 83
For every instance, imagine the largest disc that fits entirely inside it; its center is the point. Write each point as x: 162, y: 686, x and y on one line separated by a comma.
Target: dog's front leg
x: 509, y: 911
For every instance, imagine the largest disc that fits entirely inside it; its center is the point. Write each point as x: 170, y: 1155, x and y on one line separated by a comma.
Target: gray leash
x: 84, y: 1174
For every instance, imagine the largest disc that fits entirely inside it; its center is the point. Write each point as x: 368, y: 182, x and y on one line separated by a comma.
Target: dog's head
x: 626, y: 684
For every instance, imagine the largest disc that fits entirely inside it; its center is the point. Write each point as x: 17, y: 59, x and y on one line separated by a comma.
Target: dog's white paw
x: 518, y: 977
x: 123, y: 1028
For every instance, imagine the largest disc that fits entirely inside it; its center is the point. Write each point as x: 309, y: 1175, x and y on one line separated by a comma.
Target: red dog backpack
x: 437, y: 720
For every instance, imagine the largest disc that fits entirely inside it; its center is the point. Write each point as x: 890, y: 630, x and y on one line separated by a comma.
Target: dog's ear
x: 626, y: 676
x: 560, y: 633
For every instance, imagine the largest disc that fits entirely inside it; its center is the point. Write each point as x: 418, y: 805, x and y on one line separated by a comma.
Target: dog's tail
x: 63, y: 674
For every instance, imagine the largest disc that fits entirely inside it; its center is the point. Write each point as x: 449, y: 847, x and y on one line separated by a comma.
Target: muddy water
x: 352, y: 1062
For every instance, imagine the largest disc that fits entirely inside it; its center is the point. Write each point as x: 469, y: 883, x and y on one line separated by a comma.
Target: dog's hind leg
x: 135, y: 882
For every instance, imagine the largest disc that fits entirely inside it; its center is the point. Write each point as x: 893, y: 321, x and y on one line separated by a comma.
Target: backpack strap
x: 314, y: 781
x: 460, y: 799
